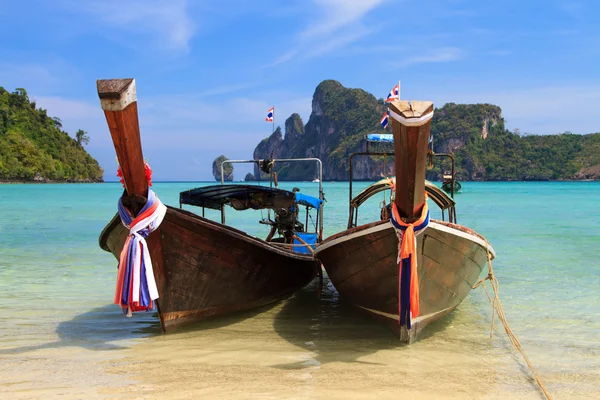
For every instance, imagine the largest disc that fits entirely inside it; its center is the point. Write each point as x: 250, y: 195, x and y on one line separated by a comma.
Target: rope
x: 497, y: 307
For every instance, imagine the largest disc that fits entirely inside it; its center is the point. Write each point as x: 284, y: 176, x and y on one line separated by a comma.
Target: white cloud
x: 78, y: 114
x: 67, y: 109
x: 167, y: 20
x: 385, y: 48
x: 175, y: 111
x: 41, y: 76
x: 338, y: 24
x: 285, y: 57
x: 226, y: 89
x: 180, y: 111
x: 14, y: 72
x: 337, y: 42
x: 337, y: 14
x: 198, y: 137
x: 444, y: 54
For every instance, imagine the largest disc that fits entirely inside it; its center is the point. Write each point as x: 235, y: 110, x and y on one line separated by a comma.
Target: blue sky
x: 207, y: 71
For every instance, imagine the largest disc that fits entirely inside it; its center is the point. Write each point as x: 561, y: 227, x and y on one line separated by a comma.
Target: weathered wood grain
x: 363, y: 268
x: 410, y: 149
x: 210, y: 269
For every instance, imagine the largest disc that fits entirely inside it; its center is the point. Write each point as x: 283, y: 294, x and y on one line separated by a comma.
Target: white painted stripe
x: 422, y: 120
x: 351, y: 236
x: 125, y: 99
x: 388, y: 225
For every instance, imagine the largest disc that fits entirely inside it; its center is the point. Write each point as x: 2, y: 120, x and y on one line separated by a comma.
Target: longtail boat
x: 449, y: 180
x: 406, y: 270
x: 187, y: 266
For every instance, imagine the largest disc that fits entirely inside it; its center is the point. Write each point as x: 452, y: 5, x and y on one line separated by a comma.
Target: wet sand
x: 303, y: 348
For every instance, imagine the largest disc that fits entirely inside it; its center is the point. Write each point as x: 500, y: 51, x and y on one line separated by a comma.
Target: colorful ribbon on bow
x: 408, y: 277
x: 136, y: 288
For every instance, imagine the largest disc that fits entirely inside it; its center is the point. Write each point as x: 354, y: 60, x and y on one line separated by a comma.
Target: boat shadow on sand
x: 106, y: 328
x: 102, y: 328
x: 335, y: 330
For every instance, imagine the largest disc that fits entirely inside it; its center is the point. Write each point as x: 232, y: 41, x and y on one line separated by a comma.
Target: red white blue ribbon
x: 136, y: 288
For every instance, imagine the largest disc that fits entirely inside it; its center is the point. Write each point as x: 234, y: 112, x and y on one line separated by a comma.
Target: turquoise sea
x: 60, y: 336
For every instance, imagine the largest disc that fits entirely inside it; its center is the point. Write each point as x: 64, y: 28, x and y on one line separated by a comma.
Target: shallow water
x: 60, y: 336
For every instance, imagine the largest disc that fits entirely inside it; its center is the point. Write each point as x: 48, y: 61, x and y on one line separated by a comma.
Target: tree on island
x: 82, y: 137
x: 57, y: 122
x: 33, y: 146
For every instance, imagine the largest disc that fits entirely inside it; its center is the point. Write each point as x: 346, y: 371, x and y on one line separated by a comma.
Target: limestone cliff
x: 339, y: 120
x: 589, y: 173
x: 227, y: 169
x: 473, y: 133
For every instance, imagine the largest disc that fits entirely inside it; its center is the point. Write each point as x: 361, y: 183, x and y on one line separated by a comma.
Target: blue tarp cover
x: 308, y: 200
x: 309, y: 238
x: 380, y: 137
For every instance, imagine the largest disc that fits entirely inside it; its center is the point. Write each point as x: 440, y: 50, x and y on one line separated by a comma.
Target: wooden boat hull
x: 203, y: 268
x: 362, y: 265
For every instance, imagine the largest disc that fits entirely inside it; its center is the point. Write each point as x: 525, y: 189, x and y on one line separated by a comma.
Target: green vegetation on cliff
x: 354, y: 113
x: 34, y: 148
x: 474, y: 133
x: 485, y: 150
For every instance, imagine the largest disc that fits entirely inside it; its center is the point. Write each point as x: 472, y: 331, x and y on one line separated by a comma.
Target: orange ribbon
x: 408, y: 247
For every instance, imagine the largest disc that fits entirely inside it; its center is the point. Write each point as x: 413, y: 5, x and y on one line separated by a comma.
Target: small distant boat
x: 448, y: 181
x: 200, y: 267
x: 317, y: 180
x: 404, y: 269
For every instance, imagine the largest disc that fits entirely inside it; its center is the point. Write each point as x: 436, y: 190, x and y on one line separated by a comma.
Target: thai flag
x: 393, y: 94
x: 384, y: 120
x: 270, y: 114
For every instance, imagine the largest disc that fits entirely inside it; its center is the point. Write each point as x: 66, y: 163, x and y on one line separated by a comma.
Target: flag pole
x: 273, y: 119
x: 388, y: 114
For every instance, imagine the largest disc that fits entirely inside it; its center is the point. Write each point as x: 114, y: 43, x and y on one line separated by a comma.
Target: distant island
x: 34, y: 148
x: 474, y: 133
x: 227, y: 169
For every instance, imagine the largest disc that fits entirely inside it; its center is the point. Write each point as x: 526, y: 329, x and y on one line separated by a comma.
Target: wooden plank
x: 410, y: 146
x: 119, y: 101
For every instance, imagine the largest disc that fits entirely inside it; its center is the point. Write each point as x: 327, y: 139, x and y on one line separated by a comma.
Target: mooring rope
x: 497, y: 307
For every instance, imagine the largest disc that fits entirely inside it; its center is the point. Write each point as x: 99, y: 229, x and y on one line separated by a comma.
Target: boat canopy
x: 308, y: 201
x: 243, y: 197
x: 380, y: 137
x: 441, y: 199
